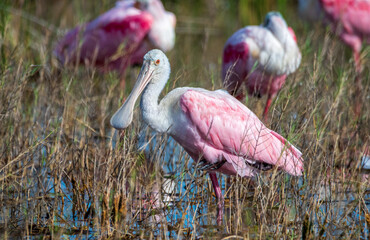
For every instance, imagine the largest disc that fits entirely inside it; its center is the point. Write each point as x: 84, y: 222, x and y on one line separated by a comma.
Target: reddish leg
x: 357, y: 59
x: 267, y: 107
x: 220, y: 198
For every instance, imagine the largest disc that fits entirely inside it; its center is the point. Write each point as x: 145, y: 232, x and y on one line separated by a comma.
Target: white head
x: 274, y: 21
x: 162, y: 31
x: 155, y: 72
x: 277, y: 26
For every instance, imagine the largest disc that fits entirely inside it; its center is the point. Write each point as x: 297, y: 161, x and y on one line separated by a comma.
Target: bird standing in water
x: 119, y: 37
x: 212, y: 126
x: 261, y: 57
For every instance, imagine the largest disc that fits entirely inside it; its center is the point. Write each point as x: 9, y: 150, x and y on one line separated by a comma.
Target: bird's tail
x: 292, y: 157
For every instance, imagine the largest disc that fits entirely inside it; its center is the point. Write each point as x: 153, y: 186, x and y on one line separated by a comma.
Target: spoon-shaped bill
x: 123, y: 117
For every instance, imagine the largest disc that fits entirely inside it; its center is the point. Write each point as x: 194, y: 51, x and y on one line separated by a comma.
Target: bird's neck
x: 284, y: 37
x: 156, y: 9
x: 153, y: 112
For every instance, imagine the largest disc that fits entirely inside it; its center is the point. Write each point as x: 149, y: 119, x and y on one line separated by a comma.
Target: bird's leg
x: 267, y: 107
x: 355, y: 43
x: 220, y: 198
x: 357, y: 59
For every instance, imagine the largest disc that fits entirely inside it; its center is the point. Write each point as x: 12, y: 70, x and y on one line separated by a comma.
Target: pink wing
x: 229, y: 128
x: 102, y: 40
x: 234, y: 66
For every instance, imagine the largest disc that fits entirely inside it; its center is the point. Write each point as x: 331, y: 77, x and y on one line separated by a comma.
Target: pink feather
x: 222, y: 128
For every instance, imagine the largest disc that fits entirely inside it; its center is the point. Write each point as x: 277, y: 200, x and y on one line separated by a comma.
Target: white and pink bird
x: 260, y: 58
x: 212, y: 126
x: 120, y: 37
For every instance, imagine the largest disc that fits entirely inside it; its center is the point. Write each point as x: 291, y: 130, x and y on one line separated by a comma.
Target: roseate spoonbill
x: 120, y: 37
x: 261, y: 57
x: 212, y: 126
x: 351, y: 21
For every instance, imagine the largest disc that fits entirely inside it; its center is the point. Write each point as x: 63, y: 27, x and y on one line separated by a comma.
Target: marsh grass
x: 64, y: 172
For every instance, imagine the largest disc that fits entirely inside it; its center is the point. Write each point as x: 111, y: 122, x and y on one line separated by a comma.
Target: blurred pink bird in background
x: 350, y: 19
x: 212, y: 126
x: 119, y: 37
x: 261, y: 57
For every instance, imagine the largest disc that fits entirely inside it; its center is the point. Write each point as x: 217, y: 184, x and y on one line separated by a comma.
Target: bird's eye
x: 157, y: 62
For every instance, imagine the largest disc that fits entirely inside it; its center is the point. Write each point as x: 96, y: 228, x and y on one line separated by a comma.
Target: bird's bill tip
x: 123, y: 117
x: 121, y: 121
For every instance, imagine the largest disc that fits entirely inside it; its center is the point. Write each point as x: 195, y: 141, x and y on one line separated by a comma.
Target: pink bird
x: 119, y: 37
x: 261, y: 57
x: 351, y: 21
x: 212, y: 126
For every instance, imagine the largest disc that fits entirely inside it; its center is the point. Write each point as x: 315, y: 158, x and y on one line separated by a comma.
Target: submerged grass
x: 65, y: 173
